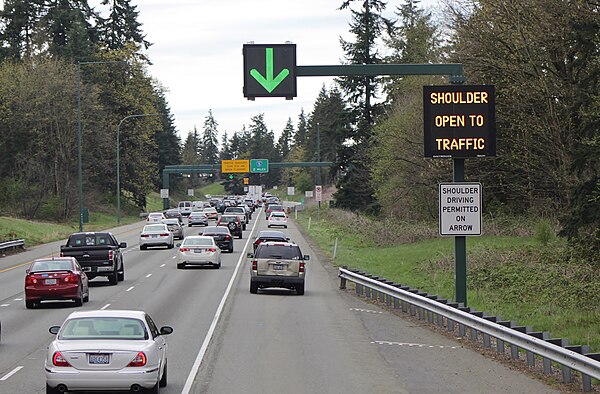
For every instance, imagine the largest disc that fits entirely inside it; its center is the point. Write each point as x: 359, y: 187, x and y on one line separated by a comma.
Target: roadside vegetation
x: 518, y: 270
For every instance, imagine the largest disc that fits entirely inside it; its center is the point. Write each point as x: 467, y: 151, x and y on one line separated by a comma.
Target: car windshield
x: 197, y: 242
x: 156, y: 227
x: 103, y: 328
x: 51, y: 265
x: 283, y: 252
x: 171, y: 222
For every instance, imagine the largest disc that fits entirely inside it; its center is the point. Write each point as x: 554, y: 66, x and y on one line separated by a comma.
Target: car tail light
x: 227, y: 237
x: 184, y: 249
x: 258, y: 242
x: 71, y: 278
x: 59, y: 361
x: 30, y: 280
x: 212, y: 249
x: 62, y: 254
x: 254, y: 265
x: 145, y: 235
x: 301, y: 267
x: 111, y: 254
x: 139, y: 360
x: 164, y: 235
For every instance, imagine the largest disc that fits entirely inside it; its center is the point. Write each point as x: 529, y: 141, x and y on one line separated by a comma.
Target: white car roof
x: 155, y: 214
x: 108, y: 313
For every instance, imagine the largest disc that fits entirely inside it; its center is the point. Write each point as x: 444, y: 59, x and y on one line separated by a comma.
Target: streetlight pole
x: 79, y: 162
x: 119, y: 161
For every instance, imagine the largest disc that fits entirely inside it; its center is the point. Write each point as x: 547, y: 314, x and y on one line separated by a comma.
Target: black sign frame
x: 283, y: 57
x: 461, y: 123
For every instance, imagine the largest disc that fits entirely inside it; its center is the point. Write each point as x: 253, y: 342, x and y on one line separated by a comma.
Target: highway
x: 227, y: 340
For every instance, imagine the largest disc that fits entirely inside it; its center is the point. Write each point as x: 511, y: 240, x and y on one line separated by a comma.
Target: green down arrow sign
x: 268, y: 82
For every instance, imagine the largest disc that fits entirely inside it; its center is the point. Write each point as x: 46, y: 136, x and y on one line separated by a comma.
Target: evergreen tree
x: 209, y: 152
x: 19, y: 19
x: 167, y: 141
x: 302, y: 130
x: 122, y: 26
x: 225, y: 153
x: 191, y: 147
x: 355, y: 190
x: 285, y: 140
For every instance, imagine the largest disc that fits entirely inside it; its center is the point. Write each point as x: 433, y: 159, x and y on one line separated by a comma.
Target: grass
x: 516, y: 277
x: 214, y: 189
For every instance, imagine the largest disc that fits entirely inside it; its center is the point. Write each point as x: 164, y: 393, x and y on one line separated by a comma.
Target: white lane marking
x: 174, y: 257
x: 131, y: 288
x: 365, y: 310
x: 104, y: 307
x: 11, y: 373
x: 414, y: 344
x: 5, y: 305
x: 18, y: 299
x: 149, y: 275
x: 190, y: 379
x: 162, y: 265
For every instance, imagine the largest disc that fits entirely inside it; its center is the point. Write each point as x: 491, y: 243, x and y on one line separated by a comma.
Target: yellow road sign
x: 235, y: 165
x: 246, y: 181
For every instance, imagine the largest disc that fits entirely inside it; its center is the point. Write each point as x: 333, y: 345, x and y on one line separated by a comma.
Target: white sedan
x: 107, y: 350
x: 199, y: 250
x: 156, y: 235
x: 277, y: 218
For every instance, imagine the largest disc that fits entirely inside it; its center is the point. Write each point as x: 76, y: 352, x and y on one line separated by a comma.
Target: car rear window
x: 104, y: 328
x: 284, y: 252
x: 89, y: 240
x: 157, y: 227
x: 197, y: 242
x: 54, y: 265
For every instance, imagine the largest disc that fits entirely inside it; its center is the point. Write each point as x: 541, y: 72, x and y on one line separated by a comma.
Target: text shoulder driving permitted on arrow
x: 268, y: 82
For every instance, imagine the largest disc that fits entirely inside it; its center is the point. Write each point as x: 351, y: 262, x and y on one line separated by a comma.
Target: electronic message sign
x: 460, y: 121
x: 269, y: 70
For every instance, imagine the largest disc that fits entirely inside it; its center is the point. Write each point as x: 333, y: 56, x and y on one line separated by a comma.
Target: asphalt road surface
x: 227, y: 340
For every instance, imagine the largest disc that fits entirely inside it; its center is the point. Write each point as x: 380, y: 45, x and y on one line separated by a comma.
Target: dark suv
x: 277, y: 264
x: 233, y: 223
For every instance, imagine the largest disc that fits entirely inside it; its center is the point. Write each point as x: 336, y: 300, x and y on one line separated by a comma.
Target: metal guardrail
x: 448, y: 314
x: 15, y: 243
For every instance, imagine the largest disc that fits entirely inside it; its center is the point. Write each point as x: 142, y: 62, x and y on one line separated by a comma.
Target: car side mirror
x: 123, y: 245
x: 178, y: 245
x: 250, y: 255
x: 306, y: 257
x: 166, y: 330
x: 54, y: 330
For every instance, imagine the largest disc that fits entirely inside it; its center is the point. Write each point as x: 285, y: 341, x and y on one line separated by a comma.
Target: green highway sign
x: 259, y: 166
x: 269, y: 70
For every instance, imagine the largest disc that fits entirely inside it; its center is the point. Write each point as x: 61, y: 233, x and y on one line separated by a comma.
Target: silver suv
x: 278, y: 264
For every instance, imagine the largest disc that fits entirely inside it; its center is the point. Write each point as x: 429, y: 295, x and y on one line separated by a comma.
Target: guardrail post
x: 440, y: 318
x: 343, y: 280
x: 486, y: 337
x: 586, y: 379
x: 359, y: 289
x: 531, y: 355
x: 474, y: 333
x: 462, y: 329
x: 500, y: 343
x: 451, y: 322
x: 514, y: 350
x: 566, y: 370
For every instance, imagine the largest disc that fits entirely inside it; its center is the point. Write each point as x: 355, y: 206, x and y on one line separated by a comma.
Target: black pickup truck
x: 99, y: 254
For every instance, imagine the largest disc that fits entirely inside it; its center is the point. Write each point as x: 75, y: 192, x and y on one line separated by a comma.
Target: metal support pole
x: 79, y: 163
x: 318, y: 168
x: 460, y: 245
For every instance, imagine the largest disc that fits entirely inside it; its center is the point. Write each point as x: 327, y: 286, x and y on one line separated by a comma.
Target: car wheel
x: 50, y: 390
x: 87, y: 296
x: 143, y: 247
x: 230, y: 250
x: 218, y: 265
x: 240, y: 235
x: 163, y: 380
x: 300, y: 289
x: 189, y: 225
x: 155, y: 389
x: 121, y: 274
x: 171, y: 246
x: 113, y: 279
x: 253, y: 288
x: 180, y: 266
x: 284, y: 226
x: 268, y: 225
x: 79, y: 301
x: 29, y: 304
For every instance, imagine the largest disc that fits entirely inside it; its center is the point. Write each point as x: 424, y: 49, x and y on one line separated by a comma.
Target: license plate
x: 86, y: 269
x: 101, y: 358
x: 154, y: 236
x: 50, y: 281
x: 198, y: 250
x: 278, y: 267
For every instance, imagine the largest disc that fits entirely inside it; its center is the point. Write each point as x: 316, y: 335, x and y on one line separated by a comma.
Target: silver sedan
x: 199, y: 250
x: 107, y: 350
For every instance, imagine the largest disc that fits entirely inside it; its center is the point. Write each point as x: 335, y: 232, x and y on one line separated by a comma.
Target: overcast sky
x: 197, y: 54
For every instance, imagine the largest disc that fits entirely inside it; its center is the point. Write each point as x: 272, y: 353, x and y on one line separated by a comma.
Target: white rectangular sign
x: 291, y: 191
x: 308, y: 194
x: 460, y: 208
x: 164, y: 193
x: 191, y: 192
x: 318, y: 193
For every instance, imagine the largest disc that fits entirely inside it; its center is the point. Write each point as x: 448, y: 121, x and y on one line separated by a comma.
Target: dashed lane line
x: 163, y: 265
x: 149, y: 275
x: 419, y: 345
x: 131, y: 288
x: 366, y: 311
x: 104, y: 307
x: 11, y: 373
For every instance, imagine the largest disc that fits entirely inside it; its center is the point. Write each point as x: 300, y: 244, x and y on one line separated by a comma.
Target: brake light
x: 164, y: 235
x: 30, y: 280
x: 139, y: 360
x: 59, y: 361
x: 211, y: 249
x: 258, y: 241
x: 301, y: 267
x: 227, y: 237
x: 254, y: 265
x: 145, y: 235
x: 184, y: 249
x: 71, y: 278
x: 111, y: 254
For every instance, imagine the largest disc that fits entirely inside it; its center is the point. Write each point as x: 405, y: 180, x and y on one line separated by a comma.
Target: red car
x: 57, y: 278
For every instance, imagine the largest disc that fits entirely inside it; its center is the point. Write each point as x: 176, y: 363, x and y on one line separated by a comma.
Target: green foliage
x: 544, y: 232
